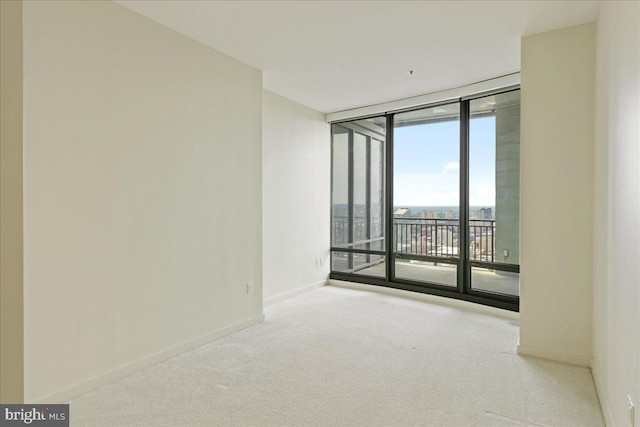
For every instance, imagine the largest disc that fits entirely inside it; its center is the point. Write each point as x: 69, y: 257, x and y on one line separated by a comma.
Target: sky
x: 427, y: 164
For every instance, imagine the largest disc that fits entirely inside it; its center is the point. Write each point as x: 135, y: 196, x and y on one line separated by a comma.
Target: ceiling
x: 337, y: 55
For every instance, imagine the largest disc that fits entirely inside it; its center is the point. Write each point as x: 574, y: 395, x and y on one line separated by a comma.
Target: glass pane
x: 340, y: 186
x: 424, y: 271
x: 361, y: 261
x: 500, y: 282
x: 377, y: 267
x: 358, y: 195
x: 377, y: 188
x: 426, y: 192
x: 360, y: 220
x: 494, y: 178
x: 340, y: 262
x: 369, y: 264
x: 364, y: 264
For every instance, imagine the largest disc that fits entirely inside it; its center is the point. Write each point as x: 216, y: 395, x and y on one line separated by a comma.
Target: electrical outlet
x: 632, y: 411
x: 249, y: 288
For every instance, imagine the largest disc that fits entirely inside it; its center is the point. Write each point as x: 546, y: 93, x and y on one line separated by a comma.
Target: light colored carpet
x: 344, y: 357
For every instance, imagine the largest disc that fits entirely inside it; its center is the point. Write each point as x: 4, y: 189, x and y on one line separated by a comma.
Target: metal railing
x: 482, y: 240
x: 432, y: 237
x: 427, y: 236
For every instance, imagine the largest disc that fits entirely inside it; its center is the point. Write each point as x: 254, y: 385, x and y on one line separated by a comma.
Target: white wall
x: 11, y: 221
x: 296, y: 162
x: 616, y: 257
x: 557, y: 194
x: 142, y: 194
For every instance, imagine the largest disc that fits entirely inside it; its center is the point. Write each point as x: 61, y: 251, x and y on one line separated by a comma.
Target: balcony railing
x: 427, y: 236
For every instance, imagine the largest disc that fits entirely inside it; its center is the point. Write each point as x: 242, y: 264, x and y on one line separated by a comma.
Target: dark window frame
x: 463, y: 290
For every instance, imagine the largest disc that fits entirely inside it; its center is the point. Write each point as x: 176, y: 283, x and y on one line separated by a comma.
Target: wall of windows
x: 428, y: 199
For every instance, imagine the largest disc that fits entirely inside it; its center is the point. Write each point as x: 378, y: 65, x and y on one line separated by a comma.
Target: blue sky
x: 426, y: 164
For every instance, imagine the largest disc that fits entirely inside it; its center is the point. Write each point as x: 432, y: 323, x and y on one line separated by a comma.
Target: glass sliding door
x: 426, y: 195
x: 494, y: 193
x: 357, y: 240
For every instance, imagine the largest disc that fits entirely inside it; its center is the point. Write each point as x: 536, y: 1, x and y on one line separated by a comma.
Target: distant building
x: 402, y: 212
x: 484, y: 213
x: 429, y: 214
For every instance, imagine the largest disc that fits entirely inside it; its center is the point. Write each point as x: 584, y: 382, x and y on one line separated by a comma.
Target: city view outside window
x: 426, y: 194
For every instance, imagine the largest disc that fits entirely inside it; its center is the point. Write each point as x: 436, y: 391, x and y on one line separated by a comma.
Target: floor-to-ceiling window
x: 358, y: 197
x: 426, y: 195
x: 428, y: 199
x: 494, y: 193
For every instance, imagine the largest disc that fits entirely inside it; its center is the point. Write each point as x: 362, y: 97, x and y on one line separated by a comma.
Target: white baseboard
x: 608, y: 421
x: 295, y: 292
x: 67, y: 394
x: 557, y: 355
x: 451, y: 302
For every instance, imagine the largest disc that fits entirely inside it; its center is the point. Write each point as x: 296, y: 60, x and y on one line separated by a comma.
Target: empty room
x: 331, y: 213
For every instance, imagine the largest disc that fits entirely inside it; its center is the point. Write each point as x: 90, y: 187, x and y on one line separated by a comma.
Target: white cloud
x: 452, y: 166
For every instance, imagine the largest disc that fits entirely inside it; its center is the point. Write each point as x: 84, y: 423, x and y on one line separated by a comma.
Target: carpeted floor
x: 345, y: 357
